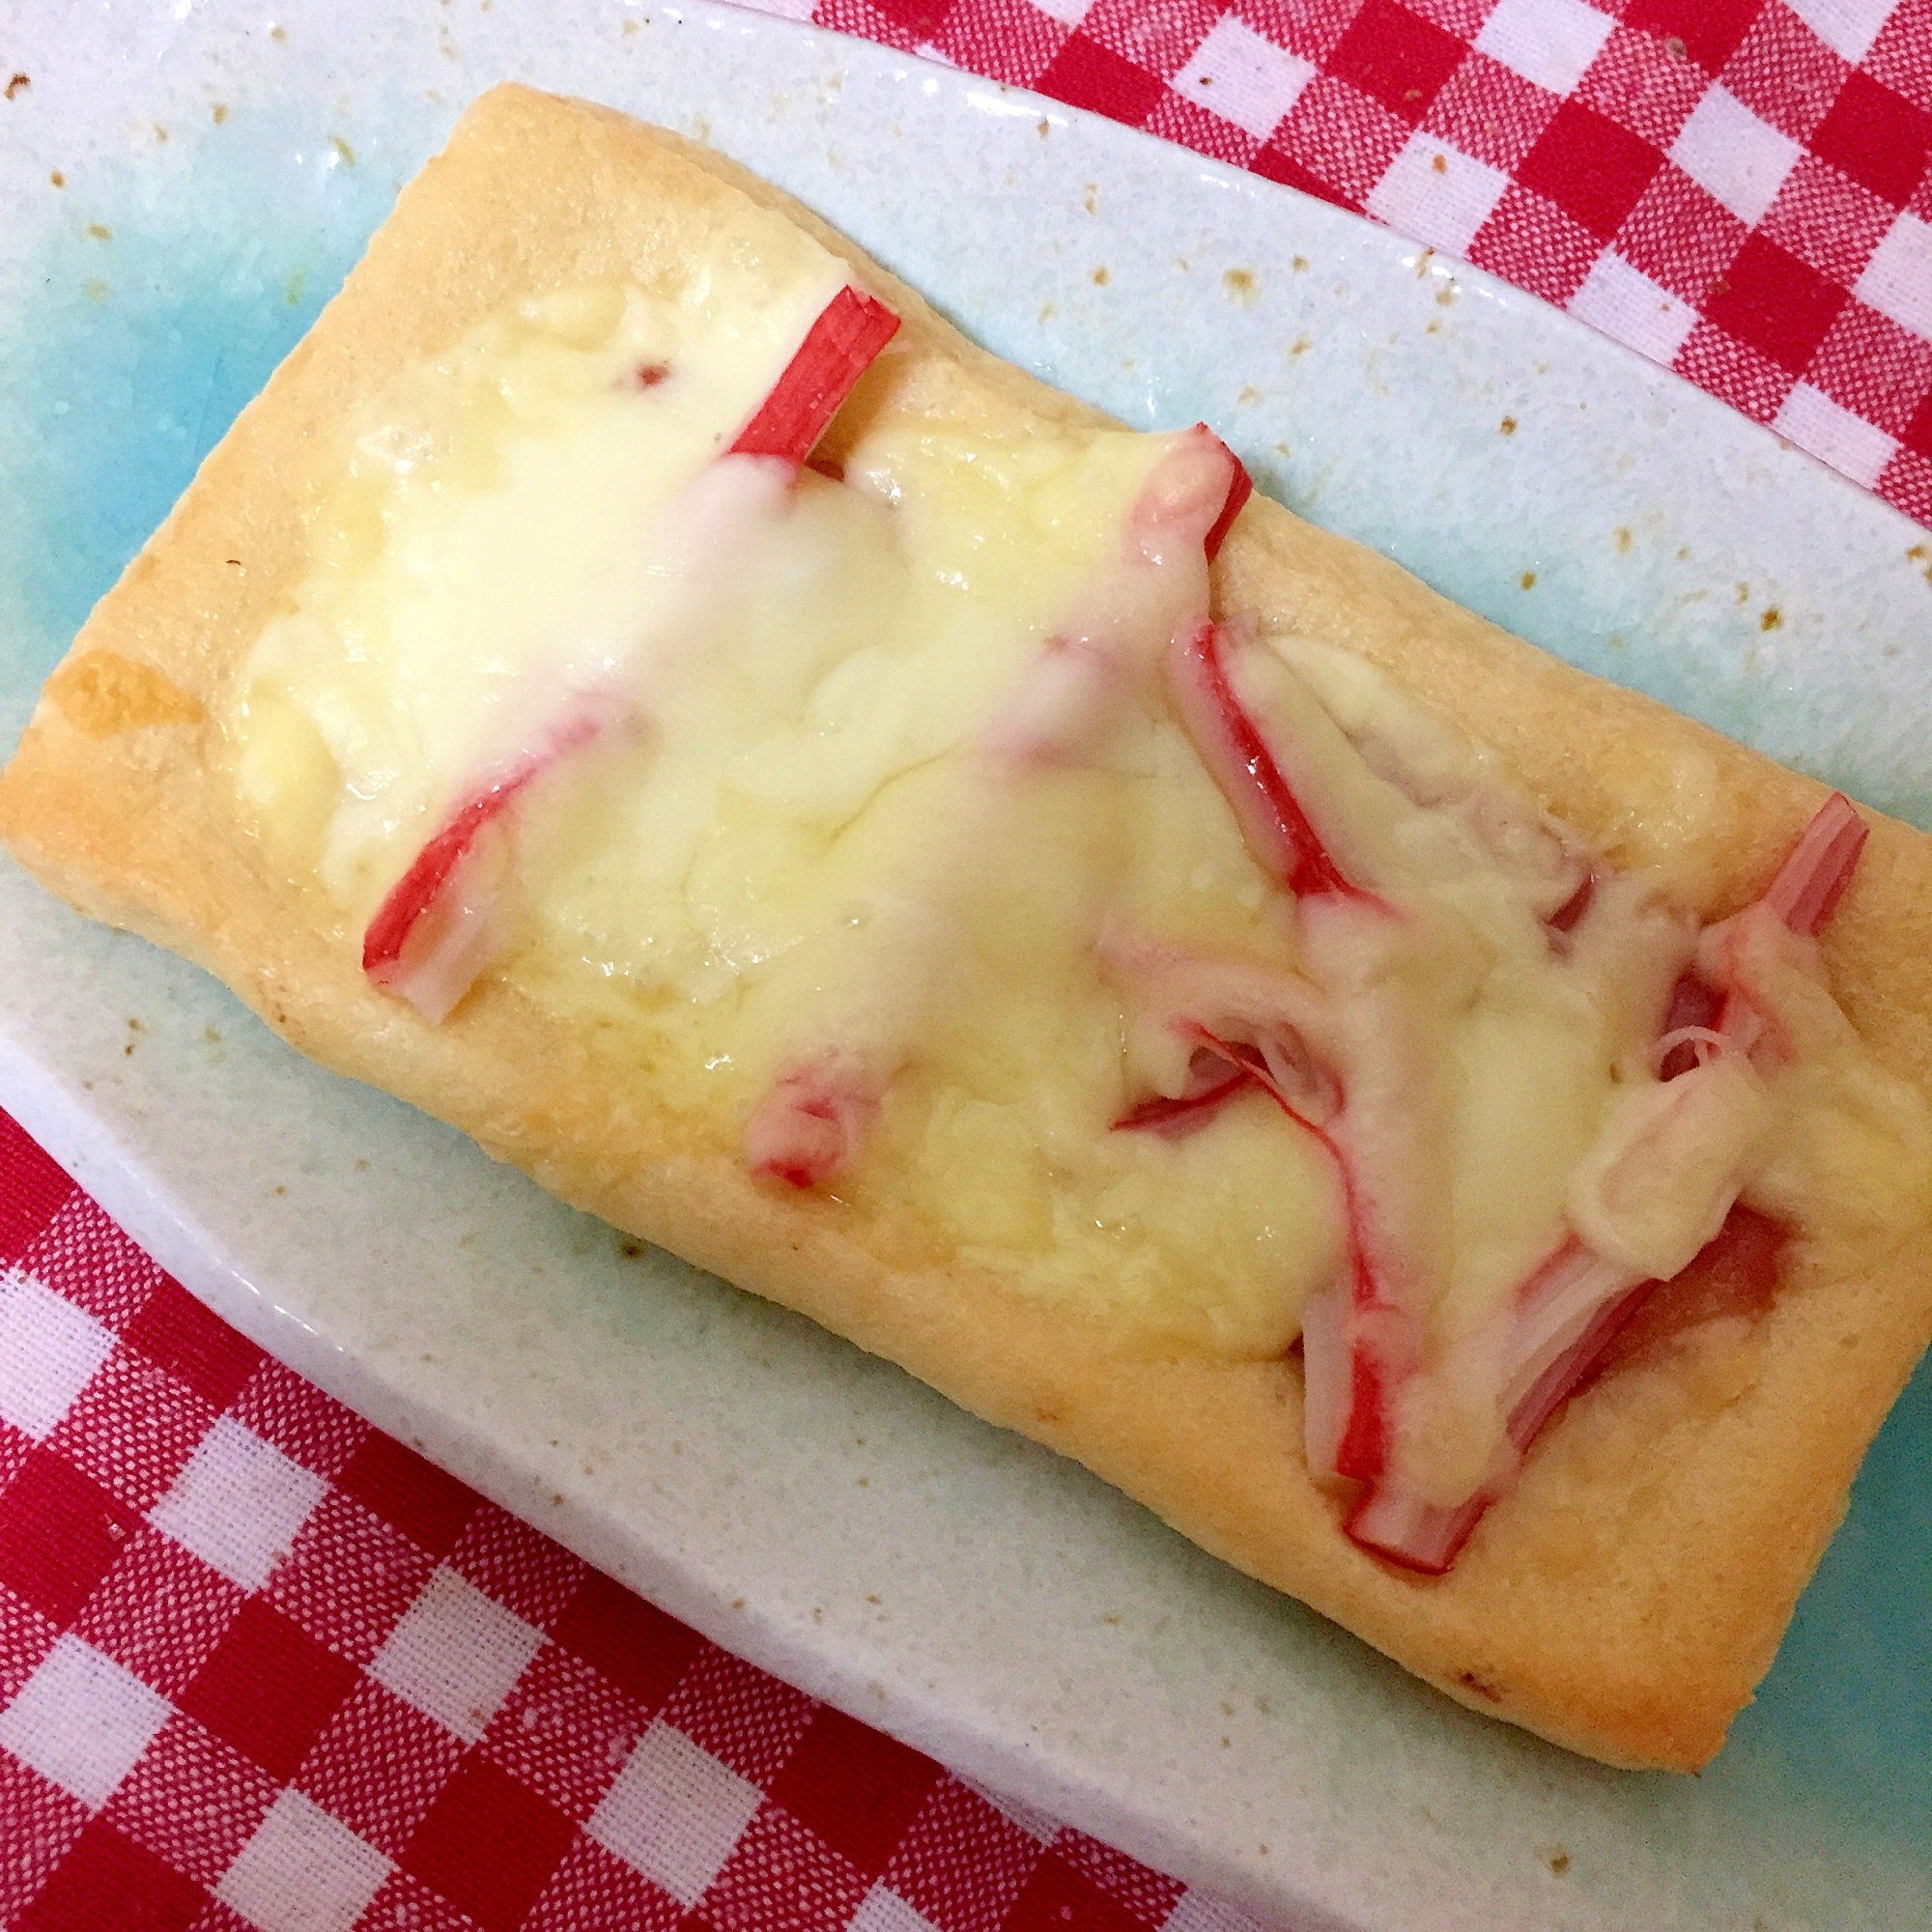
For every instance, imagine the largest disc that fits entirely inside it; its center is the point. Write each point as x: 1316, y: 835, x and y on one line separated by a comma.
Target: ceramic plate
x: 185, y: 186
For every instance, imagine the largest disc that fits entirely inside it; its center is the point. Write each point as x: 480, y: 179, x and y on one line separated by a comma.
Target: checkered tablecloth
x: 260, y: 1665
x: 1735, y: 189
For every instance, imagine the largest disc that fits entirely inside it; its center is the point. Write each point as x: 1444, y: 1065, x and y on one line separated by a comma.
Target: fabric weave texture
x: 262, y: 1665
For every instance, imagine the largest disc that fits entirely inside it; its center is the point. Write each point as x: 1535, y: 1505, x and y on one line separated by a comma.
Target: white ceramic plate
x: 812, y: 1508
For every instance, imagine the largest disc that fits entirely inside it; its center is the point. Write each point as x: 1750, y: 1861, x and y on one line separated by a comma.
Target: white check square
x: 1202, y: 1912
x: 1833, y: 434
x: 1729, y: 153
x: 82, y: 1722
x: 1236, y: 73
x: 239, y: 1503
x: 883, y: 1909
x: 302, y: 1871
x: 1435, y: 193
x: 1848, y: 27
x: 48, y: 1352
x: 1629, y: 308
x: 1898, y: 280
x: 456, y: 1655
x: 1549, y: 41
x: 674, y: 1813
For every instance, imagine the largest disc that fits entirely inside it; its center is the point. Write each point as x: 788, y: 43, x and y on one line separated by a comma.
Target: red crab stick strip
x: 1812, y: 880
x: 810, y: 1125
x: 438, y: 925
x: 1366, y: 1330
x: 837, y: 348
x: 437, y: 928
x: 1277, y: 829
x: 1574, y: 1307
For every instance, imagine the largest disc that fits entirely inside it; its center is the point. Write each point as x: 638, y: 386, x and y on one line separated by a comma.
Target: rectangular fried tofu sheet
x: 1624, y: 1599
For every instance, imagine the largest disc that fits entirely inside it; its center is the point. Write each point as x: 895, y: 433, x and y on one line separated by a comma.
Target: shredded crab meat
x: 1574, y: 1307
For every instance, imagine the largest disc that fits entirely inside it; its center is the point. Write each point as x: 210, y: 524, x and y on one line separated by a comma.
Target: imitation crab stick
x: 1572, y: 1310
x: 440, y: 923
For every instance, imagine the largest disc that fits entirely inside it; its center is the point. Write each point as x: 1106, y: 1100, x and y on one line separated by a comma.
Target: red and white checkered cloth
x: 1736, y: 189
x: 263, y: 1667
x: 260, y: 1665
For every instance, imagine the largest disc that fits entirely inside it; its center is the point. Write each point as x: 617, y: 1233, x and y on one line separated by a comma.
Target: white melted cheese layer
x: 807, y: 844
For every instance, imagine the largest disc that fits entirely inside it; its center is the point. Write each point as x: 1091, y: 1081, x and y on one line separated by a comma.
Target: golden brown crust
x: 1624, y: 1602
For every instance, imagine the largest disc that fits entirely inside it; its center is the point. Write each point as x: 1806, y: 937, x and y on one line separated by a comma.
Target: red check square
x: 1902, y: 54
x: 405, y: 1904
x: 747, y: 1721
x: 59, y: 1535
x: 520, y: 1567
x: 1057, y: 1898
x: 1707, y: 31
x: 15, y: 1446
x: 1827, y: 221
x: 268, y: 1687
x: 1396, y: 57
x: 1590, y: 167
x: 1156, y: 40
x: 107, y: 1881
x: 1734, y: 372
x: 1084, y: 74
x: 35, y: 1191
x: 1876, y: 137
x: 26, y: 1637
x: 1004, y: 40
x: 1491, y: 111
x: 82, y: 1255
x: 306, y: 1425
x: 193, y: 1344
x: 627, y: 1640
x: 592, y: 1888
x: 861, y: 19
x: 919, y: 20
x: 1277, y: 162
x: 1680, y: 236
x: 1149, y: 1895
x: 349, y: 1576
x: 1342, y: 138
x: 429, y: 1507
x: 1642, y: 86
x: 1774, y: 303
x: 488, y: 1845
x: 1878, y: 371
x: 1907, y: 484
x: 1917, y: 431
x: 1175, y: 119
x: 1534, y: 243
x: 856, y: 1788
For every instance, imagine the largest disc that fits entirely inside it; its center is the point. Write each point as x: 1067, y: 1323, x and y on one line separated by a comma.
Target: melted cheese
x: 806, y: 853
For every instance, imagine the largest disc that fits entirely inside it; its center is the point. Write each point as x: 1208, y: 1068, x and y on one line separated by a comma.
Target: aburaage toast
x: 1625, y: 1596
